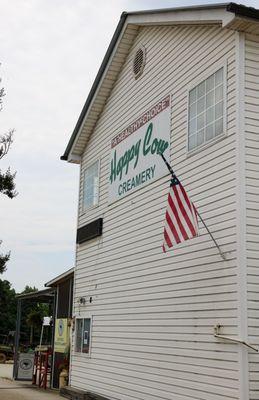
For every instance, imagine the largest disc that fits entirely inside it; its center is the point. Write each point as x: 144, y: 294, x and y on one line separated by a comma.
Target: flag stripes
x: 181, y: 221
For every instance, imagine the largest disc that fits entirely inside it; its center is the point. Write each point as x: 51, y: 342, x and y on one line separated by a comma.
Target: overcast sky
x: 50, y: 53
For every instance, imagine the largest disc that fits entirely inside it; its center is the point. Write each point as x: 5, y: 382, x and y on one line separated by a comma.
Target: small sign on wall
x: 135, y: 159
x: 61, y: 335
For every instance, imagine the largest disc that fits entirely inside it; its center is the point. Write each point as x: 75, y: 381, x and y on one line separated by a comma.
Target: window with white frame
x: 91, y: 186
x: 83, y: 335
x: 206, y: 110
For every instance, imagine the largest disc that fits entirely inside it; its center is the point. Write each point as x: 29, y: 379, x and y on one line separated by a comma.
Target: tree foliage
x: 7, y: 307
x: 7, y: 184
x: 32, y: 316
x: 7, y: 178
x: 5, y: 143
x: 3, y: 260
x: 32, y: 313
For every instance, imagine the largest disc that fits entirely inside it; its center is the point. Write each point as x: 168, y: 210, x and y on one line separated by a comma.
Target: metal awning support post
x: 54, y: 315
x: 17, y: 338
x: 170, y: 169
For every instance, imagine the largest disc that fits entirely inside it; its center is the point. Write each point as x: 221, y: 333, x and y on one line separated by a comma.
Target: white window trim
x: 83, y: 208
x: 196, y: 82
x: 80, y: 353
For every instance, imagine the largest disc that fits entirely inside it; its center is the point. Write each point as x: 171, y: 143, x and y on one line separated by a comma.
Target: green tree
x: 7, y: 179
x: 7, y: 184
x: 7, y: 307
x: 32, y: 316
x: 34, y: 320
x: 3, y: 260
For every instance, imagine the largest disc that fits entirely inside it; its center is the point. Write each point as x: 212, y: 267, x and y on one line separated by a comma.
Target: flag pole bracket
x: 217, y: 334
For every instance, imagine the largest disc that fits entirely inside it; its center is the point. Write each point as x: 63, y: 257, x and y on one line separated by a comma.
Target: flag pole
x: 214, y: 240
x: 199, y: 215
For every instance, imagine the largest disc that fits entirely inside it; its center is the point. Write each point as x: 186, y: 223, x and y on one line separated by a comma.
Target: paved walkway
x: 16, y: 390
x: 11, y: 390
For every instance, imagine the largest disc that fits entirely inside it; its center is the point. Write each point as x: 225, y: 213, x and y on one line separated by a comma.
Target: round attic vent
x: 139, y: 61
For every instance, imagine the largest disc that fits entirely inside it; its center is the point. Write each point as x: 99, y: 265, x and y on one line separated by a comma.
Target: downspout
x: 241, y: 256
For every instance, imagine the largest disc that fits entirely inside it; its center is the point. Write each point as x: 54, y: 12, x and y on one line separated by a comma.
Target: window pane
x: 209, y: 115
x: 206, y: 105
x: 201, y: 105
x: 91, y: 185
x: 219, y: 76
x: 219, y: 127
x: 86, y: 335
x: 210, y: 83
x: 219, y: 110
x: 200, y: 121
x: 88, y: 202
x: 192, y: 96
x: 200, y: 137
x: 209, y: 132
x: 192, y: 142
x: 192, y: 111
x: 210, y: 99
x: 96, y: 190
x: 79, y: 331
x: 192, y: 126
x: 201, y: 89
x: 219, y: 93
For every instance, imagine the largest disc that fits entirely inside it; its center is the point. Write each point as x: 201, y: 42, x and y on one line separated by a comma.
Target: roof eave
x: 43, y: 294
x: 147, y: 17
x: 60, y: 278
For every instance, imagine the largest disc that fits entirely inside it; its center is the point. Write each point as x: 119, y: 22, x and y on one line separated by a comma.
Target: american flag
x: 181, y: 221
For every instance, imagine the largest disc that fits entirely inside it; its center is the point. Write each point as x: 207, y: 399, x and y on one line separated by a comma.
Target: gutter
x: 242, y: 11
x: 185, y: 8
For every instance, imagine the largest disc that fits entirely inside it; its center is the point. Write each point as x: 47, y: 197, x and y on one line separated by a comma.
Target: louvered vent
x: 139, y: 61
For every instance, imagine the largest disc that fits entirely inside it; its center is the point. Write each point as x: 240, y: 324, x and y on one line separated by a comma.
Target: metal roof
x: 59, y: 278
x: 45, y: 295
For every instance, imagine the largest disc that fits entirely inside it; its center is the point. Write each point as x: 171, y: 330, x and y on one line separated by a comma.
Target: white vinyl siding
x: 252, y: 208
x: 152, y: 333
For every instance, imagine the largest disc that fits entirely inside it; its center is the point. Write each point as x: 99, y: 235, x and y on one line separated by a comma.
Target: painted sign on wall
x: 61, y: 335
x: 135, y: 159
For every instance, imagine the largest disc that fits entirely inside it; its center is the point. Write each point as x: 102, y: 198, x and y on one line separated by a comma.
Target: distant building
x: 55, y: 342
x: 63, y: 285
x: 188, y: 80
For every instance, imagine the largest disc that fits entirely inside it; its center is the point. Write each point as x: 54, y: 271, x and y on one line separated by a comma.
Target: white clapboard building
x: 183, y: 324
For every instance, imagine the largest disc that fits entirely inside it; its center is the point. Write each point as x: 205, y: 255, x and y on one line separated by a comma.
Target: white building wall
x: 153, y: 313
x: 252, y: 195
